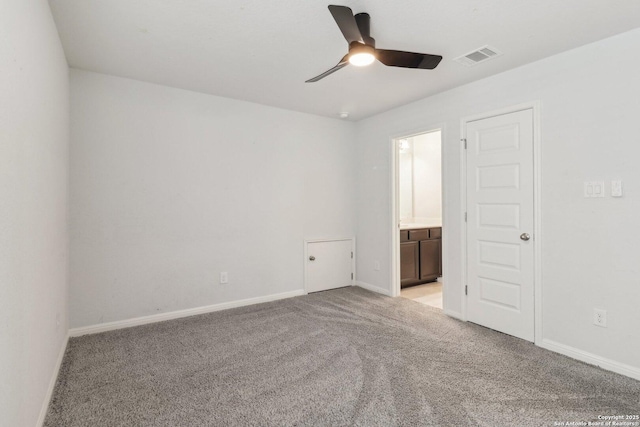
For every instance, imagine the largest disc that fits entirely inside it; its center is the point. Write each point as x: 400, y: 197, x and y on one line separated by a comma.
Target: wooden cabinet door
x: 409, y: 263
x: 429, y: 259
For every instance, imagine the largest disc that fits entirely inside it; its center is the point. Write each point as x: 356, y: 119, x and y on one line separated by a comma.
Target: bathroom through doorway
x: 418, y: 207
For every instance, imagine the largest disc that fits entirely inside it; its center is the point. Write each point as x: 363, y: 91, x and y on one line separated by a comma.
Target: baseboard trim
x: 52, y: 383
x: 454, y: 314
x: 593, y: 359
x: 373, y: 288
x: 144, y: 320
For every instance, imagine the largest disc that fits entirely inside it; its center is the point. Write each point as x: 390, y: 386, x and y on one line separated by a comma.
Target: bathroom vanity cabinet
x: 420, y: 255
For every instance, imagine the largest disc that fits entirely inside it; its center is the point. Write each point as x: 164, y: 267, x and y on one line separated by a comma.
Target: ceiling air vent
x: 477, y: 56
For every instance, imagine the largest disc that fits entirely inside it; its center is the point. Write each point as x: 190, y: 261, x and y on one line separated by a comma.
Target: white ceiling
x: 263, y: 51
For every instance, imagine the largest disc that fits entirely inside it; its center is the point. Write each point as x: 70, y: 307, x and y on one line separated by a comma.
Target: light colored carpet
x: 335, y: 358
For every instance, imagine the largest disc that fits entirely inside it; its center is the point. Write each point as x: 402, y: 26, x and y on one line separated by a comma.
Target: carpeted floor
x: 335, y: 358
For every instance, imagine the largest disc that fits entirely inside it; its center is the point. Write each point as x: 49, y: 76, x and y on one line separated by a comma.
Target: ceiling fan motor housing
x: 357, y: 47
x: 364, y: 25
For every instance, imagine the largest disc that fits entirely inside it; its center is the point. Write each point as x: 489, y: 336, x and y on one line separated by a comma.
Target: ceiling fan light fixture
x: 361, y: 59
x: 361, y: 55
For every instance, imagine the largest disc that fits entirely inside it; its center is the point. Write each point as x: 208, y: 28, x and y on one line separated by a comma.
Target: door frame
x: 338, y: 239
x: 537, y: 223
x: 395, y: 201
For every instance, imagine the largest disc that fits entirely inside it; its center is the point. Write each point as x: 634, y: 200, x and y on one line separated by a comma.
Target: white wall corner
x: 592, y: 359
x: 154, y: 318
x: 52, y: 383
x: 373, y: 288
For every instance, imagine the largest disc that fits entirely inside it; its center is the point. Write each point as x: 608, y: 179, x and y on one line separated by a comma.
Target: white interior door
x: 500, y: 208
x: 329, y: 265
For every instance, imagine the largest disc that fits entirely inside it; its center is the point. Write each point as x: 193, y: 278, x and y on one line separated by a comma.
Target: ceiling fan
x: 362, y: 47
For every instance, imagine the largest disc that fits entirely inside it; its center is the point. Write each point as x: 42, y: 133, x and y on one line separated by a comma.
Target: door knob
x: 312, y: 258
x: 525, y: 236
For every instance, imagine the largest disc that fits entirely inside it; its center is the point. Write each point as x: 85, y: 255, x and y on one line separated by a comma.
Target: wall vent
x: 479, y: 55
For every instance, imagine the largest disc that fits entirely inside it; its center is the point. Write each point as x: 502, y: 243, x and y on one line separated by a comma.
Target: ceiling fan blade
x: 398, y: 58
x: 343, y: 63
x: 346, y: 22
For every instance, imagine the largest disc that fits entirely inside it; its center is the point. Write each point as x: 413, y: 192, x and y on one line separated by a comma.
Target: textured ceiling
x: 263, y: 51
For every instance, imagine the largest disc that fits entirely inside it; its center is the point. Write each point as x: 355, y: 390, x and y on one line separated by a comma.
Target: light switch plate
x: 594, y: 189
x: 598, y: 188
x: 616, y: 188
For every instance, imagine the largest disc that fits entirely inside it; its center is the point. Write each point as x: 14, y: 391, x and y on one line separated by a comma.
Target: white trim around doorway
x: 395, y: 203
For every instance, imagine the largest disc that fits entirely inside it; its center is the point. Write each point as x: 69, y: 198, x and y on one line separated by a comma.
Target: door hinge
x: 351, y: 276
x: 352, y: 255
x: 466, y: 290
x: 465, y: 217
x: 465, y: 142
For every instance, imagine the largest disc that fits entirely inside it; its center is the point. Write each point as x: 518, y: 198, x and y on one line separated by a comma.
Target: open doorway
x: 418, y: 218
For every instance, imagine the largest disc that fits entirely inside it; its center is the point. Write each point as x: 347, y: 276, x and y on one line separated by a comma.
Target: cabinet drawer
x: 404, y: 236
x: 435, y: 233
x: 419, y: 234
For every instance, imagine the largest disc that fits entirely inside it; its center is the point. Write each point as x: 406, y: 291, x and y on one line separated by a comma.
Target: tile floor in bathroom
x: 429, y: 294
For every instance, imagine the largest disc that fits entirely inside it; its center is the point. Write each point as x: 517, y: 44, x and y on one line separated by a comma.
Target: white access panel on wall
x: 329, y: 264
x: 500, y: 223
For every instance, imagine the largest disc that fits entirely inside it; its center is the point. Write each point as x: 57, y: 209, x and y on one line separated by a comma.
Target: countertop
x: 416, y: 225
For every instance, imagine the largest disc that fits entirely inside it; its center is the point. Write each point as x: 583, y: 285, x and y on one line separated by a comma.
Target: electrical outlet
x: 224, y: 277
x: 376, y: 265
x: 57, y: 320
x: 600, y: 317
